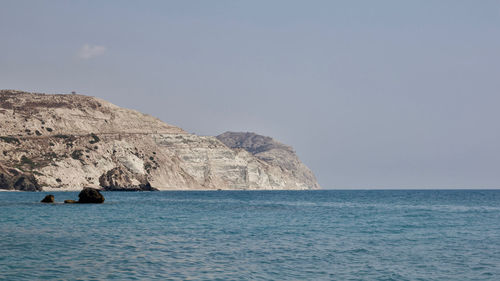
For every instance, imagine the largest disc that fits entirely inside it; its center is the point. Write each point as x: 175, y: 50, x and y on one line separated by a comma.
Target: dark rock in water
x: 87, y: 195
x: 90, y: 195
x: 48, y: 199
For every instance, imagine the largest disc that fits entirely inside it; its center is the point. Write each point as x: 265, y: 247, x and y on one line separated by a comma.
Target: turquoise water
x: 264, y: 235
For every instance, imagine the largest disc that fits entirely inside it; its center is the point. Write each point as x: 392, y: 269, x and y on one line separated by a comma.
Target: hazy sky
x: 371, y: 94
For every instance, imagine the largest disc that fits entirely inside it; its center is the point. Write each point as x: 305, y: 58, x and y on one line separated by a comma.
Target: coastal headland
x: 67, y: 142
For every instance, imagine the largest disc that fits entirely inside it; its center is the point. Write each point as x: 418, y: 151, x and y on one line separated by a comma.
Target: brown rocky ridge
x: 68, y: 142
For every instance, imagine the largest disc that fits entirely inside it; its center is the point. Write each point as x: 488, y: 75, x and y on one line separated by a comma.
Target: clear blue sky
x: 371, y: 94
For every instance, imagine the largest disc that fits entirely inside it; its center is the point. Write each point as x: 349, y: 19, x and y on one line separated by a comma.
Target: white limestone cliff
x: 67, y: 142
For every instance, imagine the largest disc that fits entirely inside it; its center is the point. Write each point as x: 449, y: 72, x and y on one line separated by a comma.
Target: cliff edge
x: 272, y: 152
x: 68, y: 142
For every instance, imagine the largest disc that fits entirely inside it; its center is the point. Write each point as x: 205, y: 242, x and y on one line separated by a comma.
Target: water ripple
x: 320, y: 235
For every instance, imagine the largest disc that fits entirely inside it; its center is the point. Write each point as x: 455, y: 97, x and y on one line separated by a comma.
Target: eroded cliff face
x: 273, y: 153
x: 67, y: 142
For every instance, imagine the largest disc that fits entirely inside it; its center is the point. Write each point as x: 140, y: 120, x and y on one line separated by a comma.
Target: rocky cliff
x: 272, y: 152
x: 67, y: 142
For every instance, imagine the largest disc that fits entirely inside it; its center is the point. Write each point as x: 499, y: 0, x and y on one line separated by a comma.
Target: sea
x: 253, y: 235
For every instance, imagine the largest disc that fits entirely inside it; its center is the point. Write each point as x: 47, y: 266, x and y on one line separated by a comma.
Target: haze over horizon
x: 385, y: 94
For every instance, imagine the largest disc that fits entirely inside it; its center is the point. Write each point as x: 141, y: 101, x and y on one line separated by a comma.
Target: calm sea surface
x: 264, y: 235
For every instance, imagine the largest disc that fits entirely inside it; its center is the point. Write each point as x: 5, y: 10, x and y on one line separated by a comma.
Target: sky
x: 371, y: 94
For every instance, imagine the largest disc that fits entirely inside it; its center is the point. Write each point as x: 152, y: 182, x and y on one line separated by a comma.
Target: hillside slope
x: 67, y: 142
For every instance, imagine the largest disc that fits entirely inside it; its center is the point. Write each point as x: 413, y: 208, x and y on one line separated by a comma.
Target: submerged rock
x: 70, y: 201
x: 90, y: 195
x: 48, y: 199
